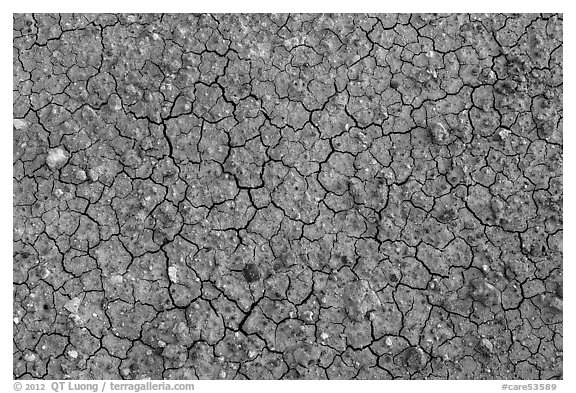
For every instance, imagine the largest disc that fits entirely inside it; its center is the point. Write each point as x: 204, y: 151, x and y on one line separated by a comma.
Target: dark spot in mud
x: 413, y: 358
x: 251, y: 272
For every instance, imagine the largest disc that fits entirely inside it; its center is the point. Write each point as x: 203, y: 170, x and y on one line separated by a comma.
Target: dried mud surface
x: 287, y: 196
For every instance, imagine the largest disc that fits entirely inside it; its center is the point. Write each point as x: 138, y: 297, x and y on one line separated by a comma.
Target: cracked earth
x: 287, y: 196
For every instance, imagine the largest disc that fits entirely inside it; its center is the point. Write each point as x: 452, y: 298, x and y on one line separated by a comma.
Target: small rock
x: 81, y: 175
x: 324, y: 336
x: 504, y: 133
x: 73, y: 305
x: 388, y: 341
x: 179, y: 328
x: 56, y: 157
x: 222, y: 374
x: 487, y: 345
x: 19, y: 123
x: 116, y: 279
x: 125, y: 371
x: 30, y: 357
x: 114, y: 102
x: 77, y: 319
x: 173, y: 274
x: 16, y: 320
x: 73, y: 354
x: 439, y: 133
x: 94, y: 174
x: 45, y: 273
x: 360, y: 299
x: 161, y: 344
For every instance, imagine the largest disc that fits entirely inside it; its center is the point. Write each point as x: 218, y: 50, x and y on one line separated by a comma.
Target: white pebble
x: 173, y: 274
x: 56, y: 157
x: 30, y: 357
x: 116, y: 279
x: 19, y: 123
x: 73, y: 305
x: 504, y: 133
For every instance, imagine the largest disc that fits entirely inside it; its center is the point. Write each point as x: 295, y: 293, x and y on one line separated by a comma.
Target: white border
x: 297, y: 6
